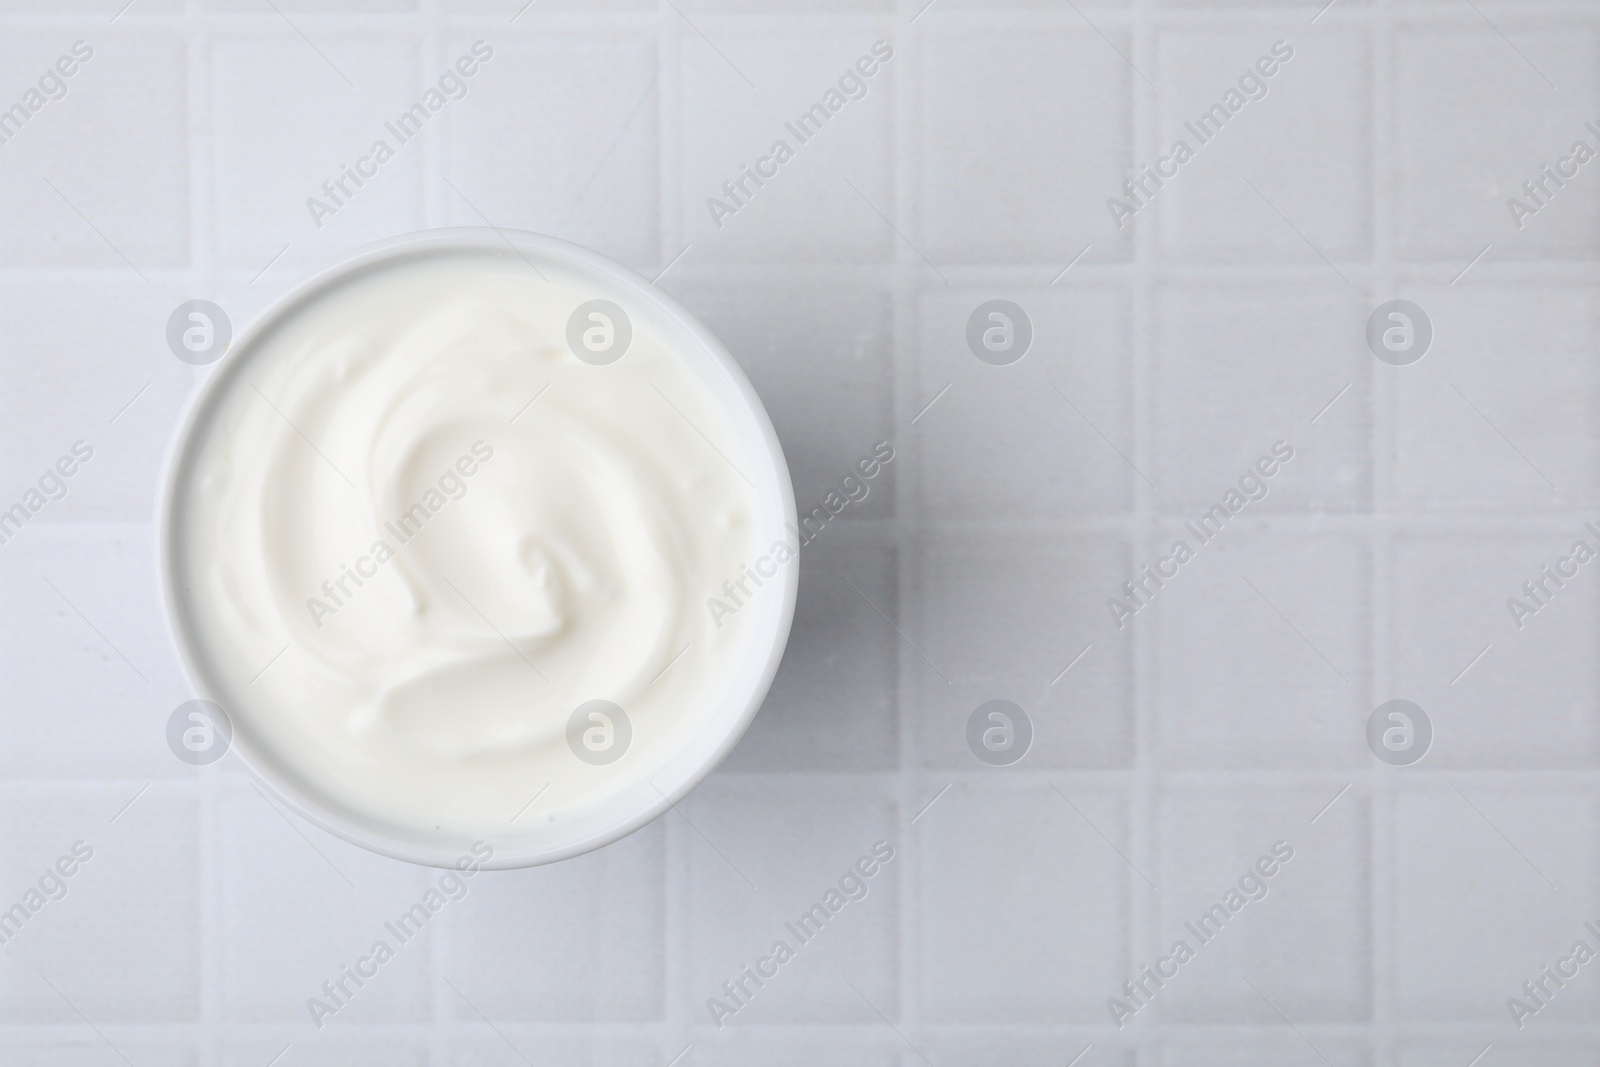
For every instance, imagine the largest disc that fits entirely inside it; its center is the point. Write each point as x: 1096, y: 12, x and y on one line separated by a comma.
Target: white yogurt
x: 416, y: 532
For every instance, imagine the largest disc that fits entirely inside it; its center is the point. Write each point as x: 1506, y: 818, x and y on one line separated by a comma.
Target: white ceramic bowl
x: 761, y: 455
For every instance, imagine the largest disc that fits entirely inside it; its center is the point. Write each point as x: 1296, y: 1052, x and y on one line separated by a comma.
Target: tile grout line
x: 905, y: 302
x: 1382, y: 987
x: 443, y: 1032
x: 671, y: 229
x: 1143, y: 805
x: 201, y: 142
x: 677, y: 1008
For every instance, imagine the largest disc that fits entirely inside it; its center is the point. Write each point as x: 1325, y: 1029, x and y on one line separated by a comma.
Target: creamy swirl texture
x: 419, y: 532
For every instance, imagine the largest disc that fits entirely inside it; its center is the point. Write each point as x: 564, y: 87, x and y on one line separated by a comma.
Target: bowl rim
x: 760, y: 664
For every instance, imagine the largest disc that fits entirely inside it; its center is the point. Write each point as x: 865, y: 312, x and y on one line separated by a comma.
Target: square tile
x: 90, y: 675
x: 1231, y: 380
x: 588, y: 174
x: 1475, y: 865
x: 1006, y: 615
x: 1470, y: 434
x: 1458, y: 653
x: 1049, y: 435
x: 794, y: 843
x: 1263, y: 641
x: 1022, y: 905
x: 286, y: 121
x: 1022, y: 135
x: 88, y: 362
x: 297, y: 908
x: 818, y: 136
x: 1302, y: 137
x: 99, y: 176
x: 1453, y: 188
x: 118, y: 939
x: 513, y: 944
x: 1214, y: 846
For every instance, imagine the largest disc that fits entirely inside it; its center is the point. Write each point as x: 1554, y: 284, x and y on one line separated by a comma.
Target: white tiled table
x: 1222, y: 718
